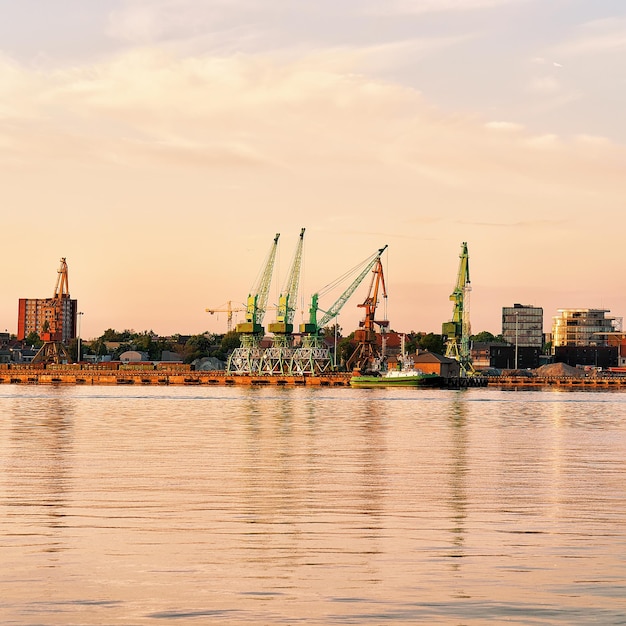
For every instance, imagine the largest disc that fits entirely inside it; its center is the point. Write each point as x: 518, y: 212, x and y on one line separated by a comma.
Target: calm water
x: 311, y: 506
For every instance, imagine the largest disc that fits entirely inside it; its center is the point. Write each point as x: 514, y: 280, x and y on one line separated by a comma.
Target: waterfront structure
x: 581, y: 328
x: 53, y: 319
x: 522, y: 325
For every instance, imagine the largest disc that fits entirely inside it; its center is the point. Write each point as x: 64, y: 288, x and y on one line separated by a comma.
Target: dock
x: 164, y: 377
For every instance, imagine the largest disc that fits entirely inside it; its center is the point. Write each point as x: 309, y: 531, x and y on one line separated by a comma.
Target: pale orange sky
x: 160, y: 156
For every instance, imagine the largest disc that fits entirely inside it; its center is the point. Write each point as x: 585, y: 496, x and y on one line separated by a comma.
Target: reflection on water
x: 316, y: 506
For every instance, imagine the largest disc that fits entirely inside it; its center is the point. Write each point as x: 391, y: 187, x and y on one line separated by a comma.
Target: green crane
x: 248, y: 357
x: 277, y: 359
x: 257, y: 298
x: 312, y: 357
x: 287, y: 301
x: 457, y: 332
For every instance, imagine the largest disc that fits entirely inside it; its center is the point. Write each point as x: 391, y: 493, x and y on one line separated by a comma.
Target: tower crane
x: 313, y: 357
x: 229, y: 310
x: 277, y: 358
x: 366, y: 355
x: 457, y: 331
x: 53, y: 349
x: 247, y: 358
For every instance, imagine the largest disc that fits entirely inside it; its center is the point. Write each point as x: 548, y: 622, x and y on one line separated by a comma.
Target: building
x: 39, y: 314
x: 53, y: 319
x: 581, y: 337
x: 581, y: 328
x: 522, y: 326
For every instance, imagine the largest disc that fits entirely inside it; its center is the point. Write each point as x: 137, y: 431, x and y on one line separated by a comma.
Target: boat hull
x: 418, y: 380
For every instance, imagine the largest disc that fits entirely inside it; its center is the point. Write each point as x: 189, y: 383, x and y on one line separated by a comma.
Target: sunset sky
x: 159, y: 145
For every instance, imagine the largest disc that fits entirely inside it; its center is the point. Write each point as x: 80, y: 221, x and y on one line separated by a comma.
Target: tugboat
x: 395, y: 378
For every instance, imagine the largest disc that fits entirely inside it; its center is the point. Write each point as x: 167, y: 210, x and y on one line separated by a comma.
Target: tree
x: 486, y: 337
x: 197, y: 347
x: 33, y: 339
x: 228, y: 343
x: 431, y: 342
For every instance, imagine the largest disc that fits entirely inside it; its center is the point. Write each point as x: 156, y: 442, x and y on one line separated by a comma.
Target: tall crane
x: 229, y: 310
x: 247, y: 358
x: 313, y: 357
x: 457, y: 331
x: 366, y: 355
x: 53, y: 349
x: 277, y: 358
x: 287, y: 300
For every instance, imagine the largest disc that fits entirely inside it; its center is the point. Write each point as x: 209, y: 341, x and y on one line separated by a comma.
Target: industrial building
x: 522, y: 325
x: 53, y: 319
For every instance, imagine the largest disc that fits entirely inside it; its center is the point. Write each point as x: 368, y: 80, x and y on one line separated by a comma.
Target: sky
x: 159, y: 146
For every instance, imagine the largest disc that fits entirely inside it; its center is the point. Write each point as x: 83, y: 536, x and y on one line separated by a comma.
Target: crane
x: 247, y: 358
x: 366, y: 354
x: 457, y: 331
x: 227, y: 308
x: 312, y: 357
x: 287, y: 300
x: 53, y: 349
x: 277, y: 359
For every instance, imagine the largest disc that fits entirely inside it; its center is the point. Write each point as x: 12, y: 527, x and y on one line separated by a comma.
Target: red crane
x: 367, y: 356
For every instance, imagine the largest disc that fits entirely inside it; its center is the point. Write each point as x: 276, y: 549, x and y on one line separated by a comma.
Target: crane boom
x: 457, y: 331
x: 289, y: 294
x: 312, y: 327
x: 366, y: 355
x: 257, y: 299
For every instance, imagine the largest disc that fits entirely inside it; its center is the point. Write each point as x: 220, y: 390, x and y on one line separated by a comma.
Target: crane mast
x: 278, y: 358
x: 366, y: 355
x: 457, y: 331
x: 248, y: 357
x: 229, y: 310
x: 257, y: 299
x: 312, y: 357
x: 288, y: 297
x: 313, y: 328
x: 53, y: 349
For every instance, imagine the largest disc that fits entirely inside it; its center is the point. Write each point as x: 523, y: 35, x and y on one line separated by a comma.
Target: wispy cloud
x: 595, y: 37
x: 420, y: 7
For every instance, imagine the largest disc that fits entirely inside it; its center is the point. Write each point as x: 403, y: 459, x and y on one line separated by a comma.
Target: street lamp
x: 516, y: 335
x: 80, y: 314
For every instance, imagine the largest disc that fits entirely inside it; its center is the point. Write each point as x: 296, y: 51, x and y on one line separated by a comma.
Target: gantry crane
x: 312, y: 357
x: 247, y: 358
x: 457, y: 332
x: 367, y: 356
x: 277, y: 358
x: 53, y: 349
x: 229, y: 310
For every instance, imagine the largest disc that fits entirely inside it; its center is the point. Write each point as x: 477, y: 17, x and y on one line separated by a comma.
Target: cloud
x: 420, y: 7
x: 152, y: 152
x: 595, y: 37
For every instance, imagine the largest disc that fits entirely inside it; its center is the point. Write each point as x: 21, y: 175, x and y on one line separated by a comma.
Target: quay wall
x: 162, y: 377
x: 567, y: 382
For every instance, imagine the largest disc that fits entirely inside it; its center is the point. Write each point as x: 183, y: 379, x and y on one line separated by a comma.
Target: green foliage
x: 197, y: 347
x: 33, y: 339
x: 431, y: 342
x: 228, y: 343
x: 486, y: 337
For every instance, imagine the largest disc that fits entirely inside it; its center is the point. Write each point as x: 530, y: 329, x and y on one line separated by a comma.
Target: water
x: 152, y: 505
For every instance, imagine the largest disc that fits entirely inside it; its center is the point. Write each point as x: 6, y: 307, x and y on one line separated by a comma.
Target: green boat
x: 396, y: 378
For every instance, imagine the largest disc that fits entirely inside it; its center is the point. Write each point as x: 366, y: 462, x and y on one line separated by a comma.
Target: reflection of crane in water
x: 457, y: 331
